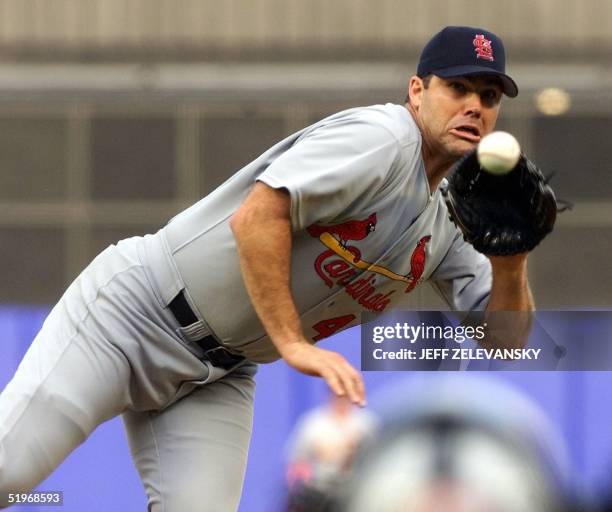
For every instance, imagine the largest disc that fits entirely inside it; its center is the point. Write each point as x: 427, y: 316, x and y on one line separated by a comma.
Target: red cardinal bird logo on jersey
x: 341, y: 264
x: 350, y: 230
x: 417, y: 262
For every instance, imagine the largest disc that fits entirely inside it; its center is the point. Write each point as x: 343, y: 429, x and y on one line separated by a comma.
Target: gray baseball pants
x: 109, y: 348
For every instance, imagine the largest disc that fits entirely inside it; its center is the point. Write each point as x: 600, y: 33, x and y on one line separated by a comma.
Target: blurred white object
x: 553, y: 101
x: 458, y: 443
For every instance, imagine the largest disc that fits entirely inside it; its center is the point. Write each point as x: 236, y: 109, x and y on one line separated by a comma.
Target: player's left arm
x: 510, y: 289
x: 510, y: 308
x: 497, y: 286
x: 503, y: 217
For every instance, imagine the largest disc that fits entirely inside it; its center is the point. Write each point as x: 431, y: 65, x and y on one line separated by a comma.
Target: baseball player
x: 321, y: 450
x: 344, y: 216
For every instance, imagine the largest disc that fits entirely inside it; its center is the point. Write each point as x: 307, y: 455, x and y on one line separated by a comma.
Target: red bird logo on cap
x: 483, y: 47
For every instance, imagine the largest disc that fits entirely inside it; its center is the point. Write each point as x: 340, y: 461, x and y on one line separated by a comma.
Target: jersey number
x: 326, y: 328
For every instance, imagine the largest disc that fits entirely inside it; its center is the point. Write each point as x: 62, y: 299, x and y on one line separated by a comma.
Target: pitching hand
x: 338, y: 373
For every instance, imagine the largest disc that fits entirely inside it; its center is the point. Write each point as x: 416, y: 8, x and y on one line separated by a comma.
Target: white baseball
x: 498, y: 152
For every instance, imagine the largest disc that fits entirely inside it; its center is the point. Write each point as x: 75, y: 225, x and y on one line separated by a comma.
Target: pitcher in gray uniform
x: 166, y: 330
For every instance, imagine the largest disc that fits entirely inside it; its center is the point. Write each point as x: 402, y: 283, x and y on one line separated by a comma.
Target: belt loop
x: 196, y: 331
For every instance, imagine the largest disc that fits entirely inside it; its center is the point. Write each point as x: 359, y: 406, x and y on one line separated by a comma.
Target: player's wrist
x: 514, y: 266
x: 293, y: 345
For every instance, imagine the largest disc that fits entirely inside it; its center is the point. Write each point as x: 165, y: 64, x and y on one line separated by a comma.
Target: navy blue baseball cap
x: 466, y: 51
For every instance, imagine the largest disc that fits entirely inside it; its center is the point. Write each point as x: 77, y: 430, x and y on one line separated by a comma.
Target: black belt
x: 213, y: 351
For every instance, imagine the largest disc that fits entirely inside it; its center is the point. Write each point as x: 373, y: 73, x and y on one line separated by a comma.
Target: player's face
x: 455, y: 113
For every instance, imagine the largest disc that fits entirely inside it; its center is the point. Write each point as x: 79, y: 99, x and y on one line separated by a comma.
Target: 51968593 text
x: 52, y: 498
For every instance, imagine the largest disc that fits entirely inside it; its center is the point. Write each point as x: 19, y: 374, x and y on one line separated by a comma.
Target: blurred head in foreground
x: 460, y: 444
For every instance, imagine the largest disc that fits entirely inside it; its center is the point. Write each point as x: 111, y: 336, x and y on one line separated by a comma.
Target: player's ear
x: 415, y: 91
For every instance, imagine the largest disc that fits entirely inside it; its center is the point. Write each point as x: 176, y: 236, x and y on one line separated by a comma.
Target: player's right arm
x: 262, y: 229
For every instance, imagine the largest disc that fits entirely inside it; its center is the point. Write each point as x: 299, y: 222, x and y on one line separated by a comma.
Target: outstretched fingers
x: 344, y: 380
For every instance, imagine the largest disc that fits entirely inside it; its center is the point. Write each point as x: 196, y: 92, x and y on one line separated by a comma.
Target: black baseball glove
x: 500, y: 215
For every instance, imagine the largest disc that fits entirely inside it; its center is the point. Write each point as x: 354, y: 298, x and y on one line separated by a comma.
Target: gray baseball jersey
x: 367, y: 230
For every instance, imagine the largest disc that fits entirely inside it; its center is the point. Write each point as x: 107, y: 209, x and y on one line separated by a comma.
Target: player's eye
x: 458, y: 87
x: 490, y: 97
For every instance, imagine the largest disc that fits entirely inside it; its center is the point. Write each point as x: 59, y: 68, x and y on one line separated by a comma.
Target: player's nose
x: 473, y: 105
